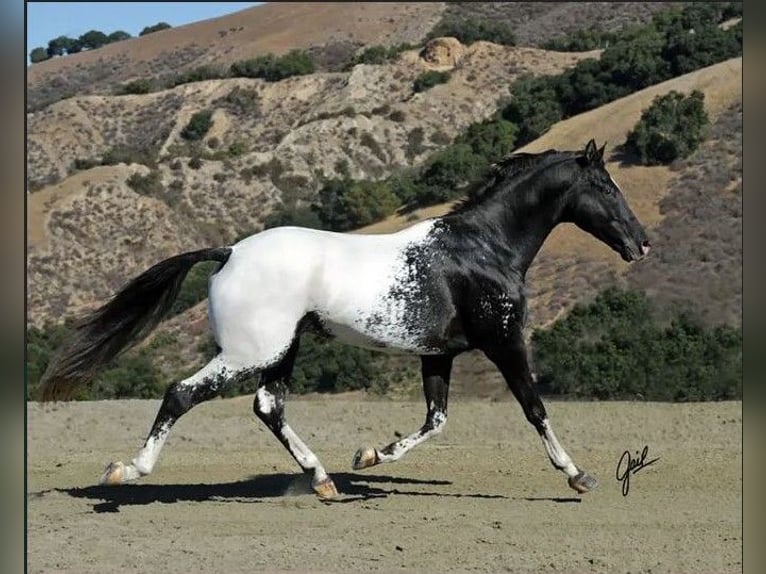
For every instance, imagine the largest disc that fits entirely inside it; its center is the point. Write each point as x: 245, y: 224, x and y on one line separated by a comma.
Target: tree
x: 59, y: 46
x: 38, y: 54
x: 118, y: 36
x: 672, y: 127
x: 448, y: 171
x: 273, y: 68
x: 534, y: 108
x: 199, y: 124
x: 618, y: 347
x: 470, y: 30
x: 155, y: 28
x: 93, y: 39
x: 492, y: 140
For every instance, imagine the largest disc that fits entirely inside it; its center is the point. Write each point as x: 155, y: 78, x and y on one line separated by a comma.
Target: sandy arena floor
x: 225, y: 496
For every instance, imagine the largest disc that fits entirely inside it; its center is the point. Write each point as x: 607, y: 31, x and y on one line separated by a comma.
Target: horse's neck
x: 520, y: 222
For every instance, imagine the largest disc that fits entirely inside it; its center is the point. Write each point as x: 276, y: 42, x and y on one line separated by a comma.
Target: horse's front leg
x: 511, y: 358
x: 436, y: 372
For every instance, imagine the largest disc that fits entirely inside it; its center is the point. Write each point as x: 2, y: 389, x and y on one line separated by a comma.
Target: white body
x: 274, y: 278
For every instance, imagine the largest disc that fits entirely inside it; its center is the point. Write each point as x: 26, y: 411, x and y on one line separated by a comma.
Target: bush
x: 582, y: 41
x: 149, y: 185
x: 118, y: 36
x: 428, y: 80
x: 470, y: 30
x: 675, y: 42
x: 329, y: 366
x: 126, y: 154
x: 140, y: 86
x: 617, y: 348
x: 130, y: 375
x: 155, y: 28
x: 492, y: 140
x: 273, y: 68
x: 380, y: 54
x: 303, y: 216
x: 81, y: 164
x: 38, y: 54
x: 671, y: 128
x: 194, y: 288
x: 451, y: 169
x: 198, y: 74
x: 199, y: 124
x: 343, y: 204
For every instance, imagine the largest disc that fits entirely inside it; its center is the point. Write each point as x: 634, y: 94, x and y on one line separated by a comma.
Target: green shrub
x: 82, y: 164
x: 451, y: 169
x: 343, y: 204
x: 130, y: 375
x: 199, y: 124
x: 380, y: 54
x: 155, y: 28
x: 329, y: 366
x: 618, y: 348
x: 118, y: 36
x: 303, y: 216
x: 38, y: 54
x: 149, y: 185
x: 675, y: 42
x: 127, y: 154
x: 194, y: 288
x: 198, y: 74
x: 583, y: 40
x: 470, y: 30
x: 140, y: 86
x: 429, y: 79
x: 274, y: 68
x: 491, y: 140
x: 672, y: 127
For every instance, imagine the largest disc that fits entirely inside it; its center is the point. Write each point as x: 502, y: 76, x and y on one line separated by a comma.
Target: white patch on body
x: 265, y: 400
x: 274, y: 278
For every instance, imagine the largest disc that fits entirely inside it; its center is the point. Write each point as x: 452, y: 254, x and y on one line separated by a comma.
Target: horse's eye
x: 608, y: 190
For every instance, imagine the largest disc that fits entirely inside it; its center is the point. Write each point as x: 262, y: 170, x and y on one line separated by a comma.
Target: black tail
x: 126, y: 319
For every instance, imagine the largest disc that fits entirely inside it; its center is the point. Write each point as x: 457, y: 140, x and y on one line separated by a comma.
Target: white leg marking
x: 400, y: 448
x: 556, y: 453
x: 147, y: 456
x: 303, y: 454
x: 217, y: 370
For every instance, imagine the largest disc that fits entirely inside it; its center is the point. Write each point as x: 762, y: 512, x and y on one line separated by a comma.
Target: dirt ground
x: 225, y: 496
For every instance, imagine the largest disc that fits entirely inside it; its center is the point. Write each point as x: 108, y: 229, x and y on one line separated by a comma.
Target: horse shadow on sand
x: 352, y: 487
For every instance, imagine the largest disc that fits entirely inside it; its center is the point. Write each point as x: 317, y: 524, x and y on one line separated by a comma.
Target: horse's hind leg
x: 436, y: 374
x: 203, y: 385
x: 269, y: 407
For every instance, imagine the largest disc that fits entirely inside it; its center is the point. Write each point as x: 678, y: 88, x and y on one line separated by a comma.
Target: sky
x: 48, y: 20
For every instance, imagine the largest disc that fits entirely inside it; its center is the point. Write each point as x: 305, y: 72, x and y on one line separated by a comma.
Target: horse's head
x: 596, y: 205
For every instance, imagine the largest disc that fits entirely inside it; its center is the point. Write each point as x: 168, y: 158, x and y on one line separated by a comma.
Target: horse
x: 437, y: 289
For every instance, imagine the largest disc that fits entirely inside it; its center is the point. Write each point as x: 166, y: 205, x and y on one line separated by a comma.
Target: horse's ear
x: 601, y: 152
x: 591, y: 153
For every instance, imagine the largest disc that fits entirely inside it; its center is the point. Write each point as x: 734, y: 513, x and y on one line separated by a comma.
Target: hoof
x: 364, y: 457
x: 325, y: 489
x: 582, y: 482
x: 113, y: 474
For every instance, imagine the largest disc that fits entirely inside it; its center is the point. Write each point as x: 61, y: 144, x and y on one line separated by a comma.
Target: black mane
x: 504, y: 170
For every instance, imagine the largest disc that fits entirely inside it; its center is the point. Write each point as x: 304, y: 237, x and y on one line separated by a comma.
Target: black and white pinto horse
x: 436, y: 289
